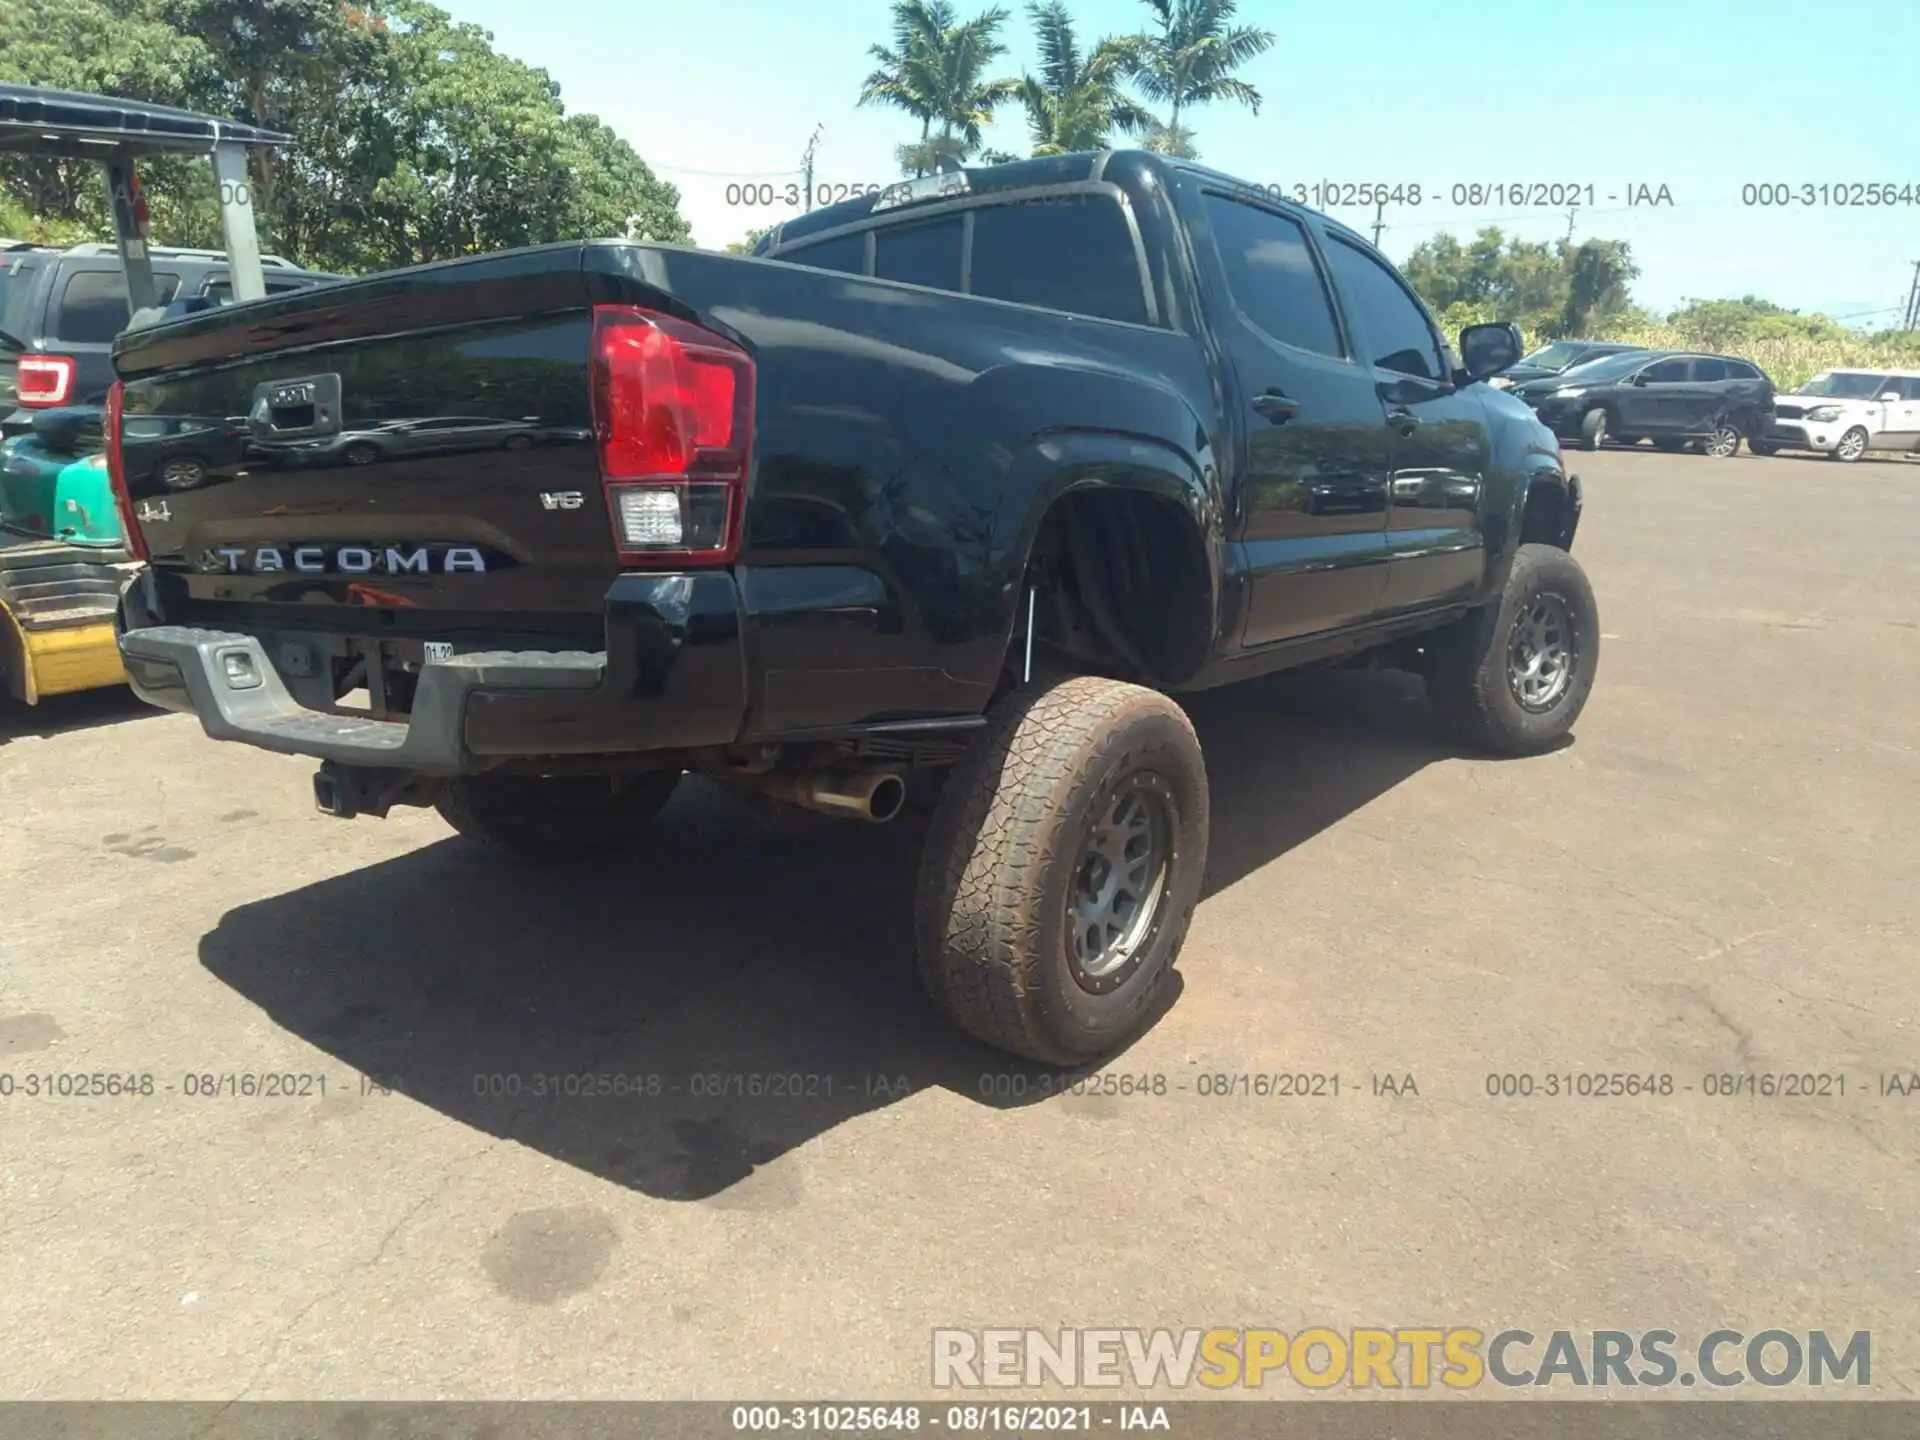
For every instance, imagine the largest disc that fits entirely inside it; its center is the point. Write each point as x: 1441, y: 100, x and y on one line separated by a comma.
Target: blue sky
x: 1701, y: 96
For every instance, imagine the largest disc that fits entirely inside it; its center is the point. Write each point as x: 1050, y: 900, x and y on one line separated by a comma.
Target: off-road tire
x: 1004, y: 856
x: 1593, y: 427
x: 1467, y: 670
x: 556, y: 819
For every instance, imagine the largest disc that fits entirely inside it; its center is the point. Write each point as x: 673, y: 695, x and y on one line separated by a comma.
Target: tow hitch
x: 345, y: 791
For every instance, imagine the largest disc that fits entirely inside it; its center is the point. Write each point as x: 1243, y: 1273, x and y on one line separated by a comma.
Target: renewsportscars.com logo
x: 1414, y: 1358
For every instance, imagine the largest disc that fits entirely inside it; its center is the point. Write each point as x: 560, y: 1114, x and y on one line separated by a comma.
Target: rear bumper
x: 672, y: 677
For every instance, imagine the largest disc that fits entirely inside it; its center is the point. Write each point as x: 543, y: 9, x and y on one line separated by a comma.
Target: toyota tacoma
x: 965, y: 479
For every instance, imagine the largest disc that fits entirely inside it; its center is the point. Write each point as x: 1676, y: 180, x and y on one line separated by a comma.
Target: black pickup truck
x: 962, y: 479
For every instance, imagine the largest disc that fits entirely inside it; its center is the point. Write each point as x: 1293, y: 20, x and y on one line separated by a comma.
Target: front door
x: 1313, y: 455
x: 1655, y: 402
x: 1441, y: 448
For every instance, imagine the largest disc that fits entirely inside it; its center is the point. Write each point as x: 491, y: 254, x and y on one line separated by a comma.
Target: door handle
x: 1402, y: 422
x: 1271, y: 405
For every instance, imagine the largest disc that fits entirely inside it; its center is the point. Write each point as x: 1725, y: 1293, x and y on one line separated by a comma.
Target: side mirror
x: 1892, y: 397
x: 1488, y: 349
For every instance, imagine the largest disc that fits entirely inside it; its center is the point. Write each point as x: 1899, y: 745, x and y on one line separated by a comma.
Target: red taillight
x: 40, y: 381
x: 673, y: 415
x: 117, y: 473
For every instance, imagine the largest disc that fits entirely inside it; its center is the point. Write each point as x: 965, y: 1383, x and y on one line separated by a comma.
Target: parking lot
x: 1716, y: 878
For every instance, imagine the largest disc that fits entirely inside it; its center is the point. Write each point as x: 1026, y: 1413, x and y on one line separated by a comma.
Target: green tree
x: 1190, y: 57
x: 114, y: 47
x: 1076, y: 101
x: 744, y: 245
x: 935, y: 71
x: 1548, y: 289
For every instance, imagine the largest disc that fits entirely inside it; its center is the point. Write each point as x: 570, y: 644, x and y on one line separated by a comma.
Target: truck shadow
x: 674, y: 1022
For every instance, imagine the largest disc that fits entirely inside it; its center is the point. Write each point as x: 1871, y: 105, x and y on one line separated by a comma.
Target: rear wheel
x: 1593, y: 427
x: 1852, y: 445
x: 1723, y: 441
x: 1514, y: 676
x: 183, y: 472
x: 1062, y: 868
x: 545, y: 819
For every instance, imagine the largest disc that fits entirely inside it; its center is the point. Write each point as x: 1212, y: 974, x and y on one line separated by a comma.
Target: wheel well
x: 1544, y: 521
x: 1122, y: 587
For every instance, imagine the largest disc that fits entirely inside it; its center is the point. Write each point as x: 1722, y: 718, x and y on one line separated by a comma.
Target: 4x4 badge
x: 154, y: 510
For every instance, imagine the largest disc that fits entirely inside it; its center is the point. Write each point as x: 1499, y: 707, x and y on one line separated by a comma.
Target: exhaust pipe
x: 875, y: 796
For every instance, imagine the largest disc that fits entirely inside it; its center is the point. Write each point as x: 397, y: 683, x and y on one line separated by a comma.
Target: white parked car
x: 1846, y: 414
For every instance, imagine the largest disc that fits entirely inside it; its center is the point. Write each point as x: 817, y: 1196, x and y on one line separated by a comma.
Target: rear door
x: 1439, y: 443
x: 1313, y: 454
x: 1902, y: 416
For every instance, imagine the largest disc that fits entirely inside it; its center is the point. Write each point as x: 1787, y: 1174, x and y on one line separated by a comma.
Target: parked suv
x: 1558, y: 357
x: 60, y: 310
x: 1673, y: 398
x: 1846, y: 413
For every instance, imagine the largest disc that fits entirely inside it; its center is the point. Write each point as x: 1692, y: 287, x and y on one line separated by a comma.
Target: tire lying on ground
x: 1062, y: 867
x: 1514, y: 676
x: 548, y: 819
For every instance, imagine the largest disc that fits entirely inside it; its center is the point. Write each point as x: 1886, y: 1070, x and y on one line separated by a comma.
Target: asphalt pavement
x: 337, y: 1174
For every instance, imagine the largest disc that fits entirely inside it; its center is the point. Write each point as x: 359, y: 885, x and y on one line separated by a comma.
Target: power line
x: 723, y: 174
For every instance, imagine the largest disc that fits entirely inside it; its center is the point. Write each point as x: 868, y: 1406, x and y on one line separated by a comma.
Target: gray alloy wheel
x: 1120, y: 881
x: 1722, y: 441
x: 1541, y: 653
x: 1852, y: 446
x: 183, y: 472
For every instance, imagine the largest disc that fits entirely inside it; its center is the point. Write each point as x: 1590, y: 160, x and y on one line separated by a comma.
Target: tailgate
x: 419, y: 442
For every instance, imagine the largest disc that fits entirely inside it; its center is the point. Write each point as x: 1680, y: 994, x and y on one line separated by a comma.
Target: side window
x: 1741, y: 370
x: 1705, y: 369
x: 926, y: 254
x: 1067, y: 252
x: 1908, y: 386
x: 93, y: 306
x: 1667, y: 372
x: 1396, y: 327
x: 1272, y: 275
x: 846, y: 252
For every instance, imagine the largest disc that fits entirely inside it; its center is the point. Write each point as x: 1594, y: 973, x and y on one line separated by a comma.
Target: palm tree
x: 1076, y: 99
x: 1162, y: 139
x: 1192, y: 59
x: 934, y: 71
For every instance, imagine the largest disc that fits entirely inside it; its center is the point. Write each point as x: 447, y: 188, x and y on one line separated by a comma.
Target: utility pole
x: 806, y: 162
x: 1572, y: 210
x: 1379, y: 210
x: 1912, y: 320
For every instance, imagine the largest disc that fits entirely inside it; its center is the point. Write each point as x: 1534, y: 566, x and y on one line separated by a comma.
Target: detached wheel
x: 1723, y: 441
x: 1593, y: 428
x: 1852, y: 446
x: 1513, y: 677
x: 551, y: 819
x: 1062, y: 867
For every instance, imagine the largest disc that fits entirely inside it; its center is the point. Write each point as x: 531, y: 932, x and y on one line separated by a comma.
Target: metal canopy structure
x: 113, y: 133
